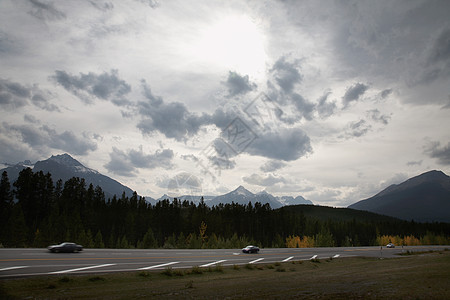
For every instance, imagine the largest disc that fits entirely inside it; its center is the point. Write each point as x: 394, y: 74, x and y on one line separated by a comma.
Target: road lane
x: 33, y: 261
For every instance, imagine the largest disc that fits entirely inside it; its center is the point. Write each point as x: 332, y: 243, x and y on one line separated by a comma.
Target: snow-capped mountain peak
x: 68, y: 161
x: 242, y: 191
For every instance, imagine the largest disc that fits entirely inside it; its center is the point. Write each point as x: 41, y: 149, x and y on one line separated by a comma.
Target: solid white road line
x: 158, y: 266
x: 81, y: 269
x: 13, y: 268
x: 336, y: 256
x: 287, y: 259
x: 314, y: 257
x: 213, y: 263
x: 256, y: 260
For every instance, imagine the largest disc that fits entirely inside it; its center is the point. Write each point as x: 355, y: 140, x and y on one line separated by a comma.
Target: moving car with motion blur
x: 65, y: 247
x: 250, y: 249
x: 390, y: 245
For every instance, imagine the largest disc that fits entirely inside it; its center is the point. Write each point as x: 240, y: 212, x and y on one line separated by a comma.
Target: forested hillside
x: 44, y: 212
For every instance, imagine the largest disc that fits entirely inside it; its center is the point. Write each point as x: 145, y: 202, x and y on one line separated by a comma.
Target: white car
x: 390, y: 245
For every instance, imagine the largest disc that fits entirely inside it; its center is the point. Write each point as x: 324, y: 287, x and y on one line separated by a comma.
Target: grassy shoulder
x: 425, y: 276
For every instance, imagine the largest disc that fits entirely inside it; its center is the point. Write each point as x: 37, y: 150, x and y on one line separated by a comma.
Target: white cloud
x: 358, y: 90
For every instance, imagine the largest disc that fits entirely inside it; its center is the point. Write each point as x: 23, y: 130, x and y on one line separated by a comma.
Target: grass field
x: 420, y: 276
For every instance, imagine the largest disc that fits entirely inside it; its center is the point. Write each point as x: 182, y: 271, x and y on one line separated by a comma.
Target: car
x: 250, y: 249
x: 65, y: 247
x: 390, y: 245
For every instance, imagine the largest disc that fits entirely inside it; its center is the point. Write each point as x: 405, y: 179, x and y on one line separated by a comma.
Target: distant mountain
x: 243, y: 196
x: 289, y: 200
x: 424, y: 198
x: 240, y: 195
x: 65, y: 167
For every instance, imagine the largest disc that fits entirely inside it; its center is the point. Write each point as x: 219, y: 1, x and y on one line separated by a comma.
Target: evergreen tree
x: 6, y: 203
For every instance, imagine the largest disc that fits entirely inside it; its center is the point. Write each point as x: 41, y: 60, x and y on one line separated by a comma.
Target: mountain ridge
x: 423, y: 198
x: 64, y: 167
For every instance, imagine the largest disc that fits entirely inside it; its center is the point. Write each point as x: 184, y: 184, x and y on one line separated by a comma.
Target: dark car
x: 250, y: 249
x: 65, y: 247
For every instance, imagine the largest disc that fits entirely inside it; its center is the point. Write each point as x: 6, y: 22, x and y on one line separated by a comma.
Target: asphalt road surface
x: 38, y: 261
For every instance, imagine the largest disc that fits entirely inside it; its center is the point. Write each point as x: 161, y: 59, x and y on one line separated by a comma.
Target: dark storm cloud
x: 286, y: 74
x: 102, y: 6
x: 272, y: 165
x: 171, y: 119
x: 88, y: 87
x: 45, y: 11
x: 120, y: 164
x: 287, y: 144
x: 238, y: 84
x: 385, y: 93
x: 151, y: 3
x: 303, y: 106
x: 161, y: 158
x: 358, y: 129
x: 126, y: 163
x: 45, y: 136
x: 14, y: 95
x: 324, y: 107
x: 441, y: 48
x: 353, y: 93
x: 7, y: 44
x: 376, y: 116
x: 438, y: 62
x: 442, y: 153
x: 221, y: 117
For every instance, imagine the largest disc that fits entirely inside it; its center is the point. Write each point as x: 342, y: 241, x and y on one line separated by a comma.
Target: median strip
x: 159, y: 266
x: 82, y: 269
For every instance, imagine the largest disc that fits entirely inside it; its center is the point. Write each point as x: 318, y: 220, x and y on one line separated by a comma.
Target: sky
x: 330, y: 100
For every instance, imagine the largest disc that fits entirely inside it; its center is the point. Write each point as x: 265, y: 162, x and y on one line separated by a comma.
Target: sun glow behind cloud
x: 234, y: 43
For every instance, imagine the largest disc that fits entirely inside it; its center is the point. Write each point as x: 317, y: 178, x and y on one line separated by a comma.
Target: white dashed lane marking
x: 13, y: 268
x: 287, y: 259
x: 256, y: 260
x: 213, y: 263
x: 81, y: 269
x: 159, y: 266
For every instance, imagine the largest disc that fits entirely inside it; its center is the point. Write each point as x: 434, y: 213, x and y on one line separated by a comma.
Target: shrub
x: 196, y: 270
x: 144, y: 274
x: 168, y: 271
x: 96, y: 278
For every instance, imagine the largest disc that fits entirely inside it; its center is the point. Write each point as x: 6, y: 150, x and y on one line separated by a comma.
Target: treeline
x: 36, y: 212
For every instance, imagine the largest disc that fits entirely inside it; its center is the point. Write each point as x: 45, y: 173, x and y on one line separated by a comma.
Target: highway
x: 38, y: 261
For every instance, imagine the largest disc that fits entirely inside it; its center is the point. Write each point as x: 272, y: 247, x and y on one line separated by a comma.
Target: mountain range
x: 423, y: 198
x: 65, y: 167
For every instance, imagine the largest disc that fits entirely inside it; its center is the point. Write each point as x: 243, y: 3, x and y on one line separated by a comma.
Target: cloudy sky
x: 331, y: 100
